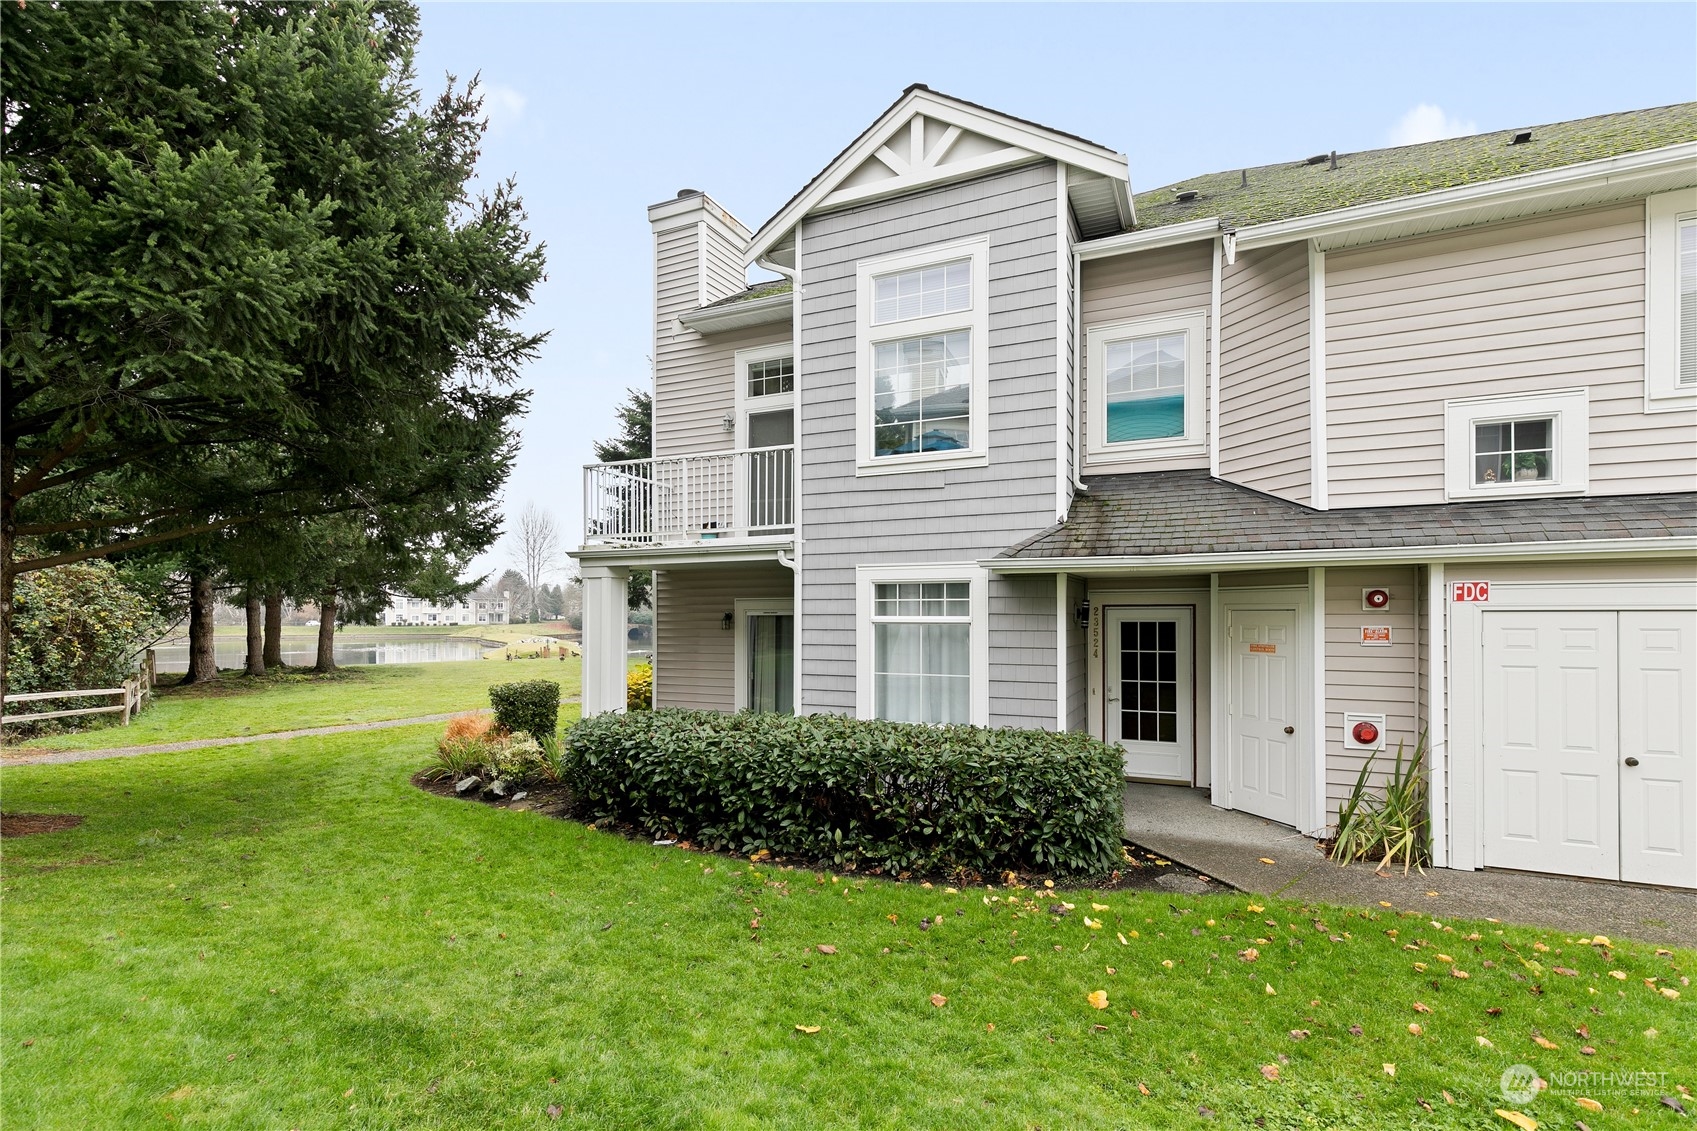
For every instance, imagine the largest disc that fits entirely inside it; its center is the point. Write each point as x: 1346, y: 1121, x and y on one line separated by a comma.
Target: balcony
x: 681, y: 499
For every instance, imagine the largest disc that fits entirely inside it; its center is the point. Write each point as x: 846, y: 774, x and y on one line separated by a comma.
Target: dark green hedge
x: 529, y: 706
x: 825, y: 787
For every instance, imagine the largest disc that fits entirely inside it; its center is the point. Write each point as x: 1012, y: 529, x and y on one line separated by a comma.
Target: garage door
x: 1590, y: 744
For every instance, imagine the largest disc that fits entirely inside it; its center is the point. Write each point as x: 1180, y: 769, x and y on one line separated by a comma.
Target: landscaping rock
x: 466, y: 783
x: 521, y: 795
x: 1184, y: 885
x: 498, y: 788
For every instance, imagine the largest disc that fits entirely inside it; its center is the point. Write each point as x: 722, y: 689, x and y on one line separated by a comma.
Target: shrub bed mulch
x: 29, y: 824
x: 1147, y: 871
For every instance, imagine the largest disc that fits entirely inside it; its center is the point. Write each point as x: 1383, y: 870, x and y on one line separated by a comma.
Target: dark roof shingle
x: 1163, y: 513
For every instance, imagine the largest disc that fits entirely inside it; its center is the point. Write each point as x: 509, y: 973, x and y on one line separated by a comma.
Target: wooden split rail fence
x: 129, y: 696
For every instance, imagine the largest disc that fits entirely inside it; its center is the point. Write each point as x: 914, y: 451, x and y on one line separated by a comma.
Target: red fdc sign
x: 1474, y: 591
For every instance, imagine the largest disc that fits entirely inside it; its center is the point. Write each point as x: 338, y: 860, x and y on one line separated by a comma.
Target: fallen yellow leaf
x: 1540, y: 947
x: 1384, y: 903
x: 1414, y: 1028
x: 1618, y: 974
x: 810, y: 1029
x: 1022, y: 958
x: 1269, y: 990
x: 1271, y: 1072
x: 1123, y: 942
x: 1519, y: 1119
x: 1459, y: 973
x: 1268, y: 860
x: 1142, y: 1087
x: 1099, y: 907
x: 1600, y: 940
x: 1545, y: 1043
x: 990, y: 1027
x: 1257, y: 908
x: 939, y: 1000
x: 1670, y: 994
x: 1420, y: 966
x: 1587, y: 1103
x: 1167, y: 962
x: 1098, y: 999
x: 1484, y: 1042
x: 1093, y: 924
x: 1390, y: 1070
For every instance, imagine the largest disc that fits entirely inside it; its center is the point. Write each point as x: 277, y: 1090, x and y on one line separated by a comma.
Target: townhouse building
x: 1257, y: 476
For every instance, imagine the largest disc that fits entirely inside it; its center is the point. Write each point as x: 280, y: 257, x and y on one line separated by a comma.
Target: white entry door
x: 1552, y: 780
x: 1151, y: 702
x: 1658, y: 748
x: 1264, y: 713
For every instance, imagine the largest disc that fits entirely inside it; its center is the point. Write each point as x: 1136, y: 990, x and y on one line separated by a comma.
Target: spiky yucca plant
x: 1390, y: 824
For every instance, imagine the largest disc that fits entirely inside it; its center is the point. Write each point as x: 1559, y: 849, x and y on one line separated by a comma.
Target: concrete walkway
x: 55, y: 756
x: 1180, y: 824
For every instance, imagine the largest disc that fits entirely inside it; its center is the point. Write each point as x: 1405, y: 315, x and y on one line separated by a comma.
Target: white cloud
x: 502, y: 105
x: 1427, y: 122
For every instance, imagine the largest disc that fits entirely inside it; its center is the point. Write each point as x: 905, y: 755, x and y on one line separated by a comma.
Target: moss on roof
x: 1296, y: 188
x: 764, y: 289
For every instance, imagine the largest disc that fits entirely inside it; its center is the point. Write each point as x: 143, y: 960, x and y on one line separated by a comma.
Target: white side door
x: 1151, y: 710
x: 1551, y: 742
x: 1658, y: 748
x: 1263, y: 718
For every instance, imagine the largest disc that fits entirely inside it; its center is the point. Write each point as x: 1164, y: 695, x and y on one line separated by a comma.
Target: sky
x: 598, y: 111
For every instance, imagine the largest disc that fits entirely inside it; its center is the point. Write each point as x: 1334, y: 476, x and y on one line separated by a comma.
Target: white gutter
x: 705, y: 552
x: 753, y: 312
x: 1166, y: 236
x: 1504, y: 190
x: 1365, y: 555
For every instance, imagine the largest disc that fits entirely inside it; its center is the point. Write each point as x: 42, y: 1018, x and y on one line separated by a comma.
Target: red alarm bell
x: 1373, y: 599
x: 1366, y: 734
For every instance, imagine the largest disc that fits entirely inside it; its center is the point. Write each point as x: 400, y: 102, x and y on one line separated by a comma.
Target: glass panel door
x: 1151, y: 705
x: 771, y: 662
x: 770, y: 472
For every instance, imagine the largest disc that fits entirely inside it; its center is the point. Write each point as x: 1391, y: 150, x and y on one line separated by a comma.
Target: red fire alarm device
x: 1372, y: 600
x: 1363, y: 730
x: 1365, y: 734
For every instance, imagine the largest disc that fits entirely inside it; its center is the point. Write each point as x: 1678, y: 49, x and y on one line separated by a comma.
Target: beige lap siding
x: 694, y: 657
x: 1368, y: 677
x: 1264, y: 372
x: 1169, y: 280
x: 1551, y: 303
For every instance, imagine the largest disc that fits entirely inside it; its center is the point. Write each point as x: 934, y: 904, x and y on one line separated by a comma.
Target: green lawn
x: 236, y: 705
x: 288, y: 934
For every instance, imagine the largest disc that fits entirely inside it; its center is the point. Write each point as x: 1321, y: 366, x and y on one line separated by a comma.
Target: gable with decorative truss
x: 929, y: 139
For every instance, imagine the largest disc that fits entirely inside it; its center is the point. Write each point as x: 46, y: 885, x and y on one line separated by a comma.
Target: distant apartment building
x: 474, y: 610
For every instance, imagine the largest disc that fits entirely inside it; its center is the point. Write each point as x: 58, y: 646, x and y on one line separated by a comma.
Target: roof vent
x: 683, y: 192
x: 1522, y: 138
x: 1185, y: 196
x: 1244, y: 183
x: 1334, y: 165
x: 1317, y: 159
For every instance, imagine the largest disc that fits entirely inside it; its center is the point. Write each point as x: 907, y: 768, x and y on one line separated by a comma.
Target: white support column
x: 1317, y: 822
x: 604, y: 629
x: 1060, y: 653
x: 1437, y: 700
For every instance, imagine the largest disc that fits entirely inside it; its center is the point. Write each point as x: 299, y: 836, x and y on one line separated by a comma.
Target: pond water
x: 302, y: 651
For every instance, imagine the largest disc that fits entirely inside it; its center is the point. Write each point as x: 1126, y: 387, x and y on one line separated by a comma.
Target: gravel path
x: 54, y: 756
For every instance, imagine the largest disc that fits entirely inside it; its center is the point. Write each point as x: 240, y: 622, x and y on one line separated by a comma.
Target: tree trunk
x: 6, y: 576
x: 326, y: 633
x: 203, y: 652
x: 255, y: 632
x: 274, y: 628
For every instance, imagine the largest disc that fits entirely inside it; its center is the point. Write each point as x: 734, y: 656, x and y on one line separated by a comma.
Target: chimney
x: 698, y: 259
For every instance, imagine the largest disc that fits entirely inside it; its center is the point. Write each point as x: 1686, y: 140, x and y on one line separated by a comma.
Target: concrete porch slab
x: 1180, y: 824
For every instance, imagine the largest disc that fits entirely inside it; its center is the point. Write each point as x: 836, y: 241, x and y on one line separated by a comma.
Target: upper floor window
x: 1146, y: 387
x: 1501, y: 447
x: 771, y: 377
x: 922, y: 334
x: 1670, y: 376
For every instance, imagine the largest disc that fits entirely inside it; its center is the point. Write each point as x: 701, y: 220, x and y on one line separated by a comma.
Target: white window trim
x: 744, y: 606
x: 976, y: 320
x: 1194, y: 323
x: 745, y: 404
x: 978, y: 644
x: 1662, y: 214
x: 1570, y: 414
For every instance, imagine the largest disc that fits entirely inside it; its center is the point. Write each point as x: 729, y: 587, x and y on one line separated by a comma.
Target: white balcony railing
x: 689, y: 498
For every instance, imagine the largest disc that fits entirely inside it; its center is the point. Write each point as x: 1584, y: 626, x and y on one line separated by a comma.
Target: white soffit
x: 928, y: 139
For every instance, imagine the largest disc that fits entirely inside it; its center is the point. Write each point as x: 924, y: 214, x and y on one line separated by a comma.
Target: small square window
x: 1513, y: 451
x: 771, y: 377
x: 1144, y: 381
x: 1145, y: 388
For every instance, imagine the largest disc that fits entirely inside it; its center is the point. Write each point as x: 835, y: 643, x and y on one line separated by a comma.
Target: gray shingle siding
x: 933, y: 516
x: 1022, y: 652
